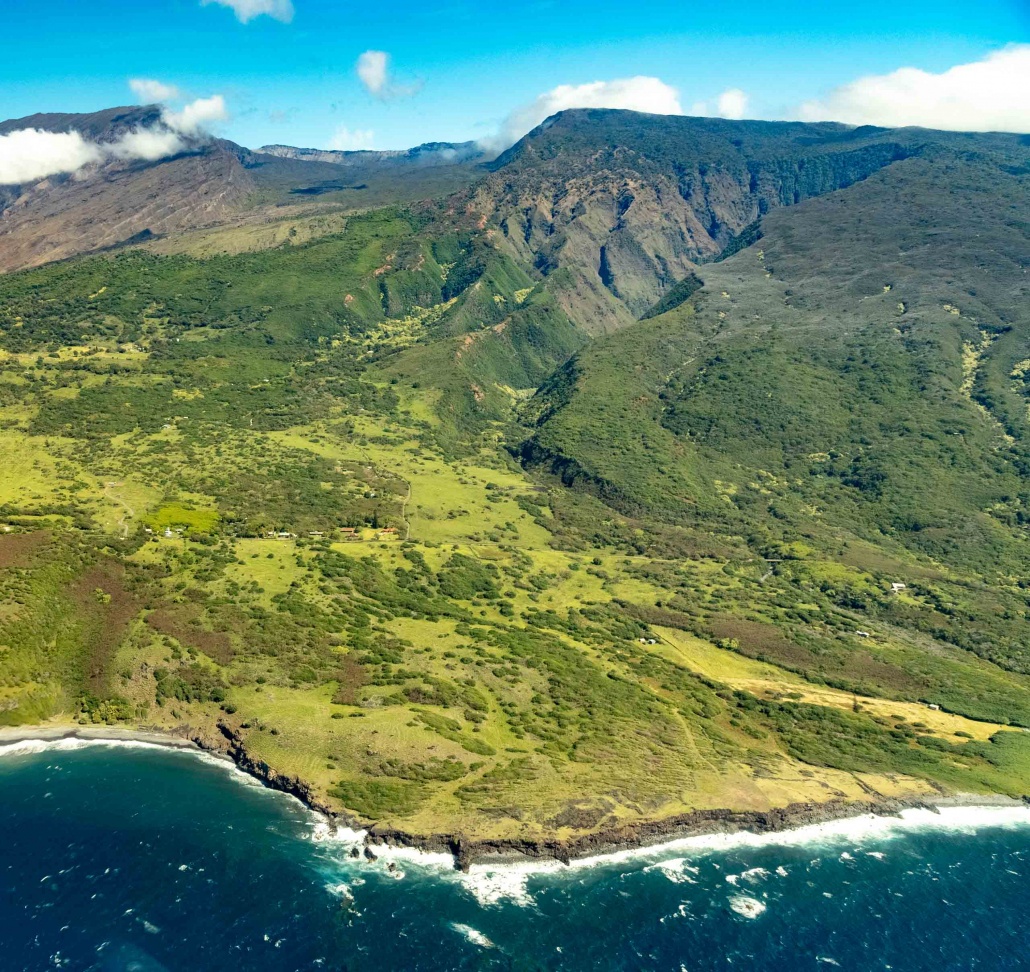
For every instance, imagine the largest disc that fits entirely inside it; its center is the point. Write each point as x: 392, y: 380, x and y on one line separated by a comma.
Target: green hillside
x: 474, y: 536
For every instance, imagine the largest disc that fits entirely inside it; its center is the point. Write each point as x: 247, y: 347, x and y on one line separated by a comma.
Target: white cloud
x: 247, y: 10
x: 197, y: 115
x: 732, y: 104
x: 149, y: 91
x: 31, y: 154
x: 988, y: 95
x: 373, y: 69
x: 347, y: 140
x: 148, y: 144
x: 637, y: 94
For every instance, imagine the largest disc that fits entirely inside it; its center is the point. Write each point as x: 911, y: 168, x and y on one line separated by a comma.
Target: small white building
x: 897, y: 587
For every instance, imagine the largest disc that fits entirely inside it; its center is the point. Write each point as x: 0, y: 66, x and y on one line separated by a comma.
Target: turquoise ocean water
x: 139, y: 858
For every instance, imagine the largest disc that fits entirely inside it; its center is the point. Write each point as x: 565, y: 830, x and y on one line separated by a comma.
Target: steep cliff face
x: 632, y: 203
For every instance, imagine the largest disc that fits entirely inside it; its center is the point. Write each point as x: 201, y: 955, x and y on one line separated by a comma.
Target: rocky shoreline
x: 467, y: 851
x: 696, y: 823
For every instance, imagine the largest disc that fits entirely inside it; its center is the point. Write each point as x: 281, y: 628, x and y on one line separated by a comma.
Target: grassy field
x: 456, y: 680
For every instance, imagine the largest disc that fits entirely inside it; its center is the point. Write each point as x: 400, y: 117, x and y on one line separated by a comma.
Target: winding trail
x: 129, y: 514
x: 404, y: 510
x: 404, y: 502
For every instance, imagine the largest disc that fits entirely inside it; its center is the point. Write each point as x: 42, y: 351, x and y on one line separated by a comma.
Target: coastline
x: 466, y: 852
x: 11, y: 735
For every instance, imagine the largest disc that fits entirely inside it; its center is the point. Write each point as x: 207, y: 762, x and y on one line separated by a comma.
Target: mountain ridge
x: 646, y: 212
x: 212, y: 182
x: 428, y: 153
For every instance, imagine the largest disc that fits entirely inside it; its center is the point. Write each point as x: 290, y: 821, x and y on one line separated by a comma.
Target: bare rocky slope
x: 629, y: 204
x: 117, y: 201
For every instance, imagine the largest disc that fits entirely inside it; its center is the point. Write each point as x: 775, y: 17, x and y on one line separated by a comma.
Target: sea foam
x: 747, y: 906
x: 508, y: 882
x: 474, y: 936
x: 493, y: 883
x: 67, y: 744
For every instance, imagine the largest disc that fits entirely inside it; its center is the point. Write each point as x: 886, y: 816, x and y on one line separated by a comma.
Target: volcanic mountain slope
x: 105, y: 125
x: 210, y: 183
x: 117, y: 201
x: 628, y: 204
x: 429, y: 155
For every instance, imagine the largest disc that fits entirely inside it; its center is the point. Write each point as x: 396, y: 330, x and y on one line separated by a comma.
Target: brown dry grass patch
x: 105, y: 607
x: 765, y: 642
x: 175, y: 622
x: 16, y: 549
x: 351, y: 677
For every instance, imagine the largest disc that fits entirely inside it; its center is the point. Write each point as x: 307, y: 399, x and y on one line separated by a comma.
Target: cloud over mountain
x: 732, y: 104
x: 637, y: 94
x: 29, y: 154
x: 197, y: 115
x: 352, y: 140
x: 373, y: 70
x: 992, y: 94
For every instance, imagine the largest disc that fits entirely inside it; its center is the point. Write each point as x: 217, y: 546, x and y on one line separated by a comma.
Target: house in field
x: 897, y: 587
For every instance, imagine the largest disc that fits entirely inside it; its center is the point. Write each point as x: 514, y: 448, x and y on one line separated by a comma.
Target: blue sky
x: 460, y: 68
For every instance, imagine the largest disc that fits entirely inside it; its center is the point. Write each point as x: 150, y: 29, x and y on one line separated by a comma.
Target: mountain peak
x: 104, y: 125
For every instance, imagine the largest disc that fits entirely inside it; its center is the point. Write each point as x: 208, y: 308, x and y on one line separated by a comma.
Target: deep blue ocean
x: 120, y: 858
